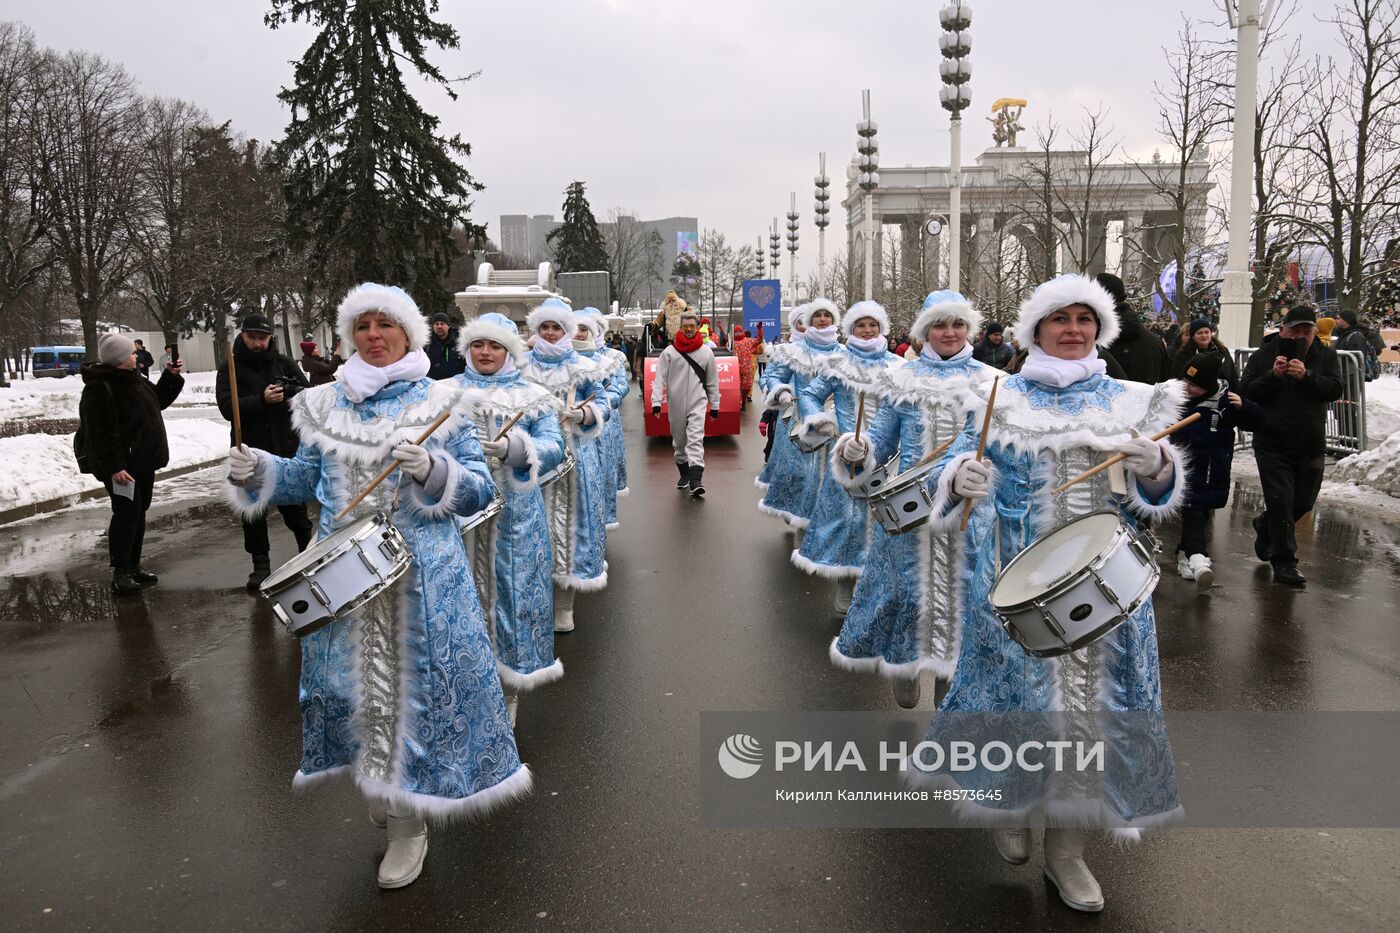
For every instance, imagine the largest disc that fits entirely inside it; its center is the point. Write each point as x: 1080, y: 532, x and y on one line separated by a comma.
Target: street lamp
x: 792, y: 229
x: 775, y: 251
x: 868, y: 179
x: 758, y: 258
x: 955, y: 96
x: 822, y: 213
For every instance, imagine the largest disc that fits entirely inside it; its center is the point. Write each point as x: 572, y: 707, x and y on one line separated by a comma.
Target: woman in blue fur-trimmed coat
x: 836, y: 539
x: 513, y: 555
x: 1058, y: 417
x: 613, y: 365
x: 776, y: 383
x: 577, y: 505
x: 796, y: 476
x: 905, y: 614
x: 402, y: 695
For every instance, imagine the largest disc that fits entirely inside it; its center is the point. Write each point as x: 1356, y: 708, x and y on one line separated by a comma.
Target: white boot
x: 1014, y: 845
x: 1064, y: 866
x: 563, y: 609
x: 1201, y: 571
x: 1183, y: 566
x: 906, y: 691
x: 408, y: 847
x: 844, y: 590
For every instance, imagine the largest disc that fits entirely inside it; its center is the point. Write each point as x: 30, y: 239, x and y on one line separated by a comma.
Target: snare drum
x: 874, y: 480
x: 565, y: 467
x: 337, y: 575
x: 905, y: 502
x: 493, y: 508
x: 804, y: 445
x: 1076, y: 584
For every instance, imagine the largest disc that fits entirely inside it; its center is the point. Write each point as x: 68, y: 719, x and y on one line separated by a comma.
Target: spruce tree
x: 373, y: 189
x: 578, y: 245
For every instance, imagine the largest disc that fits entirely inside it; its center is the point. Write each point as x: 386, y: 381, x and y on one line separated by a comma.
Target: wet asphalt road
x: 147, y: 746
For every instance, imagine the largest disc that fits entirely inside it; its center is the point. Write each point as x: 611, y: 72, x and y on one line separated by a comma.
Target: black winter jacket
x: 1295, y: 410
x: 1140, y: 353
x: 266, y: 426
x: 1184, y: 355
x: 1210, y: 443
x: 445, y: 362
x: 993, y: 355
x: 120, y: 415
x: 1357, y: 338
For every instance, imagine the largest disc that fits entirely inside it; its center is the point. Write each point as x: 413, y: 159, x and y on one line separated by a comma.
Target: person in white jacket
x: 686, y: 374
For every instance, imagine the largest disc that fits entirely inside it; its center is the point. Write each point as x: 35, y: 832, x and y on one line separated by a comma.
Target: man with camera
x: 1293, y: 377
x: 267, y: 380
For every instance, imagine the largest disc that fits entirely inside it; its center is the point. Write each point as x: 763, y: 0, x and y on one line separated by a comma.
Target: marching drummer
x: 518, y: 601
x: 612, y: 366
x: 577, y: 505
x: 399, y: 695
x: 1060, y: 416
x: 835, y: 544
x: 776, y: 383
x: 796, y: 475
x: 893, y: 629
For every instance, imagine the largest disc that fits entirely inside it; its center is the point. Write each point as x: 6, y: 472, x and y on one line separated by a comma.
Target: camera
x: 290, y: 387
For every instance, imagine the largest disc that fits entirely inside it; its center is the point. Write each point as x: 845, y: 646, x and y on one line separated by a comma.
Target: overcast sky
x: 715, y: 109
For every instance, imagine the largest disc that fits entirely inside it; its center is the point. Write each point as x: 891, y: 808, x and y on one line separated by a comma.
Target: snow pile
x: 1378, y: 468
x: 39, y: 467
x: 1383, y: 407
x: 58, y: 398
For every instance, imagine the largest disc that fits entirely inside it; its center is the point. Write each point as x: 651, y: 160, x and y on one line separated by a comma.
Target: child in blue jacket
x: 1210, y: 443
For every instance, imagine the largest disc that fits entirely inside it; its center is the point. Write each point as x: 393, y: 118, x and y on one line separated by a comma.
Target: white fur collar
x: 862, y: 375
x: 927, y: 385
x: 320, y: 418
x: 562, y: 377
x: 1099, y: 413
x: 811, y: 363
x: 523, y: 398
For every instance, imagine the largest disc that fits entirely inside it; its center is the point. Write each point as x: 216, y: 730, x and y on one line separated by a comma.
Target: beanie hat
x: 870, y: 309
x: 1349, y: 316
x: 388, y: 299
x: 1061, y: 292
x: 945, y: 305
x: 494, y: 327
x: 1197, y: 325
x: 114, y: 348
x: 1114, y: 286
x: 308, y: 347
x: 440, y: 317
x: 1203, y: 370
x: 1301, y: 314
x: 995, y: 327
x: 821, y: 304
x: 552, y: 309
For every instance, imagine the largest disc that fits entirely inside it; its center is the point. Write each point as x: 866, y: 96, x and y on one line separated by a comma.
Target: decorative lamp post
x: 822, y: 213
x: 758, y: 259
x: 955, y: 96
x: 868, y: 179
x: 792, y: 229
x: 775, y: 251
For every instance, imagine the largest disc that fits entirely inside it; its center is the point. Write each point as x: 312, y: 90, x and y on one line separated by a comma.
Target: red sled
x: 729, y: 400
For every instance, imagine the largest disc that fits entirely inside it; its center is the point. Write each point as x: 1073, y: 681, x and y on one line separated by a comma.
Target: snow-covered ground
x: 58, y: 398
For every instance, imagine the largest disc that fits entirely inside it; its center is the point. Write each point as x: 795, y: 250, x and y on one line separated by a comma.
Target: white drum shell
x: 1087, y: 604
x: 874, y: 480
x: 350, y: 574
x: 905, y: 503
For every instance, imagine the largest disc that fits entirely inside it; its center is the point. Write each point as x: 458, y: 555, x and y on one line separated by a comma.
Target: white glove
x: 496, y: 449
x: 972, y: 479
x: 588, y: 416
x: 415, y: 460
x: 854, y: 451
x: 571, y: 415
x: 1144, y: 455
x: 242, y: 464
x: 782, y: 395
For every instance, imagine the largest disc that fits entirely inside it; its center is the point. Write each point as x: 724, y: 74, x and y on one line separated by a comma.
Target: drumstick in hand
x: 233, y: 398
x: 982, y: 443
x: 860, y: 416
x: 1119, y: 458
x: 510, y: 424
x: 392, y: 467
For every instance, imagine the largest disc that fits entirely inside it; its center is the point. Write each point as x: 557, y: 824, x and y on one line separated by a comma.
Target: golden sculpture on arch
x: 1007, y: 122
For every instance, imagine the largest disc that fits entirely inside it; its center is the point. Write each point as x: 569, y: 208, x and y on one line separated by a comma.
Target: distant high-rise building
x: 523, y: 236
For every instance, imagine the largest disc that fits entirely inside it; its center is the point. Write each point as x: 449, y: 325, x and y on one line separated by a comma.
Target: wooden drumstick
x: 388, y: 470
x: 233, y: 398
x: 935, y: 453
x: 1119, y: 458
x: 510, y: 424
x: 982, y: 443
x: 860, y: 416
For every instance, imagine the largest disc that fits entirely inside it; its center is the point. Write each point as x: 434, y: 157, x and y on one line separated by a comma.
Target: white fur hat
x: 821, y: 304
x: 870, y: 309
x: 591, y: 318
x: 389, y: 299
x: 552, y: 309
x: 795, y: 315
x: 1061, y: 292
x: 946, y: 305
x: 494, y: 327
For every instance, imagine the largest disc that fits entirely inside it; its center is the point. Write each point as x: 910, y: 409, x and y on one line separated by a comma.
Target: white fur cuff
x: 841, y: 468
x: 254, y: 497
x: 812, y: 425
x: 1167, y: 503
x: 947, y: 507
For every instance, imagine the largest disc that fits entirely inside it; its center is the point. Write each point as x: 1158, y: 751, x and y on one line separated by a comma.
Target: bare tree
x: 89, y: 133
x: 625, y: 241
x: 1034, y: 184
x: 1086, y: 192
x: 716, y: 258
x: 1349, y: 144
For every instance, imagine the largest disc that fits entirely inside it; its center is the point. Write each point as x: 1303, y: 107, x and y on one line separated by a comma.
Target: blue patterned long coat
x: 795, y: 477
x: 612, y: 364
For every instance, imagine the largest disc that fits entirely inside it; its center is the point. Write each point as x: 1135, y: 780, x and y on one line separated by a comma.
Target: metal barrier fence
x: 1346, y: 417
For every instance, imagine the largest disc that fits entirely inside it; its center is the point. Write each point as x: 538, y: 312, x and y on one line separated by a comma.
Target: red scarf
x: 687, y: 344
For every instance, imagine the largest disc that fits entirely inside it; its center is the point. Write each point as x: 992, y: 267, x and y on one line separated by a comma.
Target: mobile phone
x: 1288, y: 347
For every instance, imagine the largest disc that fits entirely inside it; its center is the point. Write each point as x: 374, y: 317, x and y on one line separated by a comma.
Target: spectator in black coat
x: 144, y: 360
x: 1140, y: 353
x: 267, y: 380
x: 1210, y: 443
x: 1200, y: 338
x: 1351, y: 334
x: 444, y: 358
x: 1294, y: 378
x: 121, y: 441
x: 992, y: 349
x: 319, y: 370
